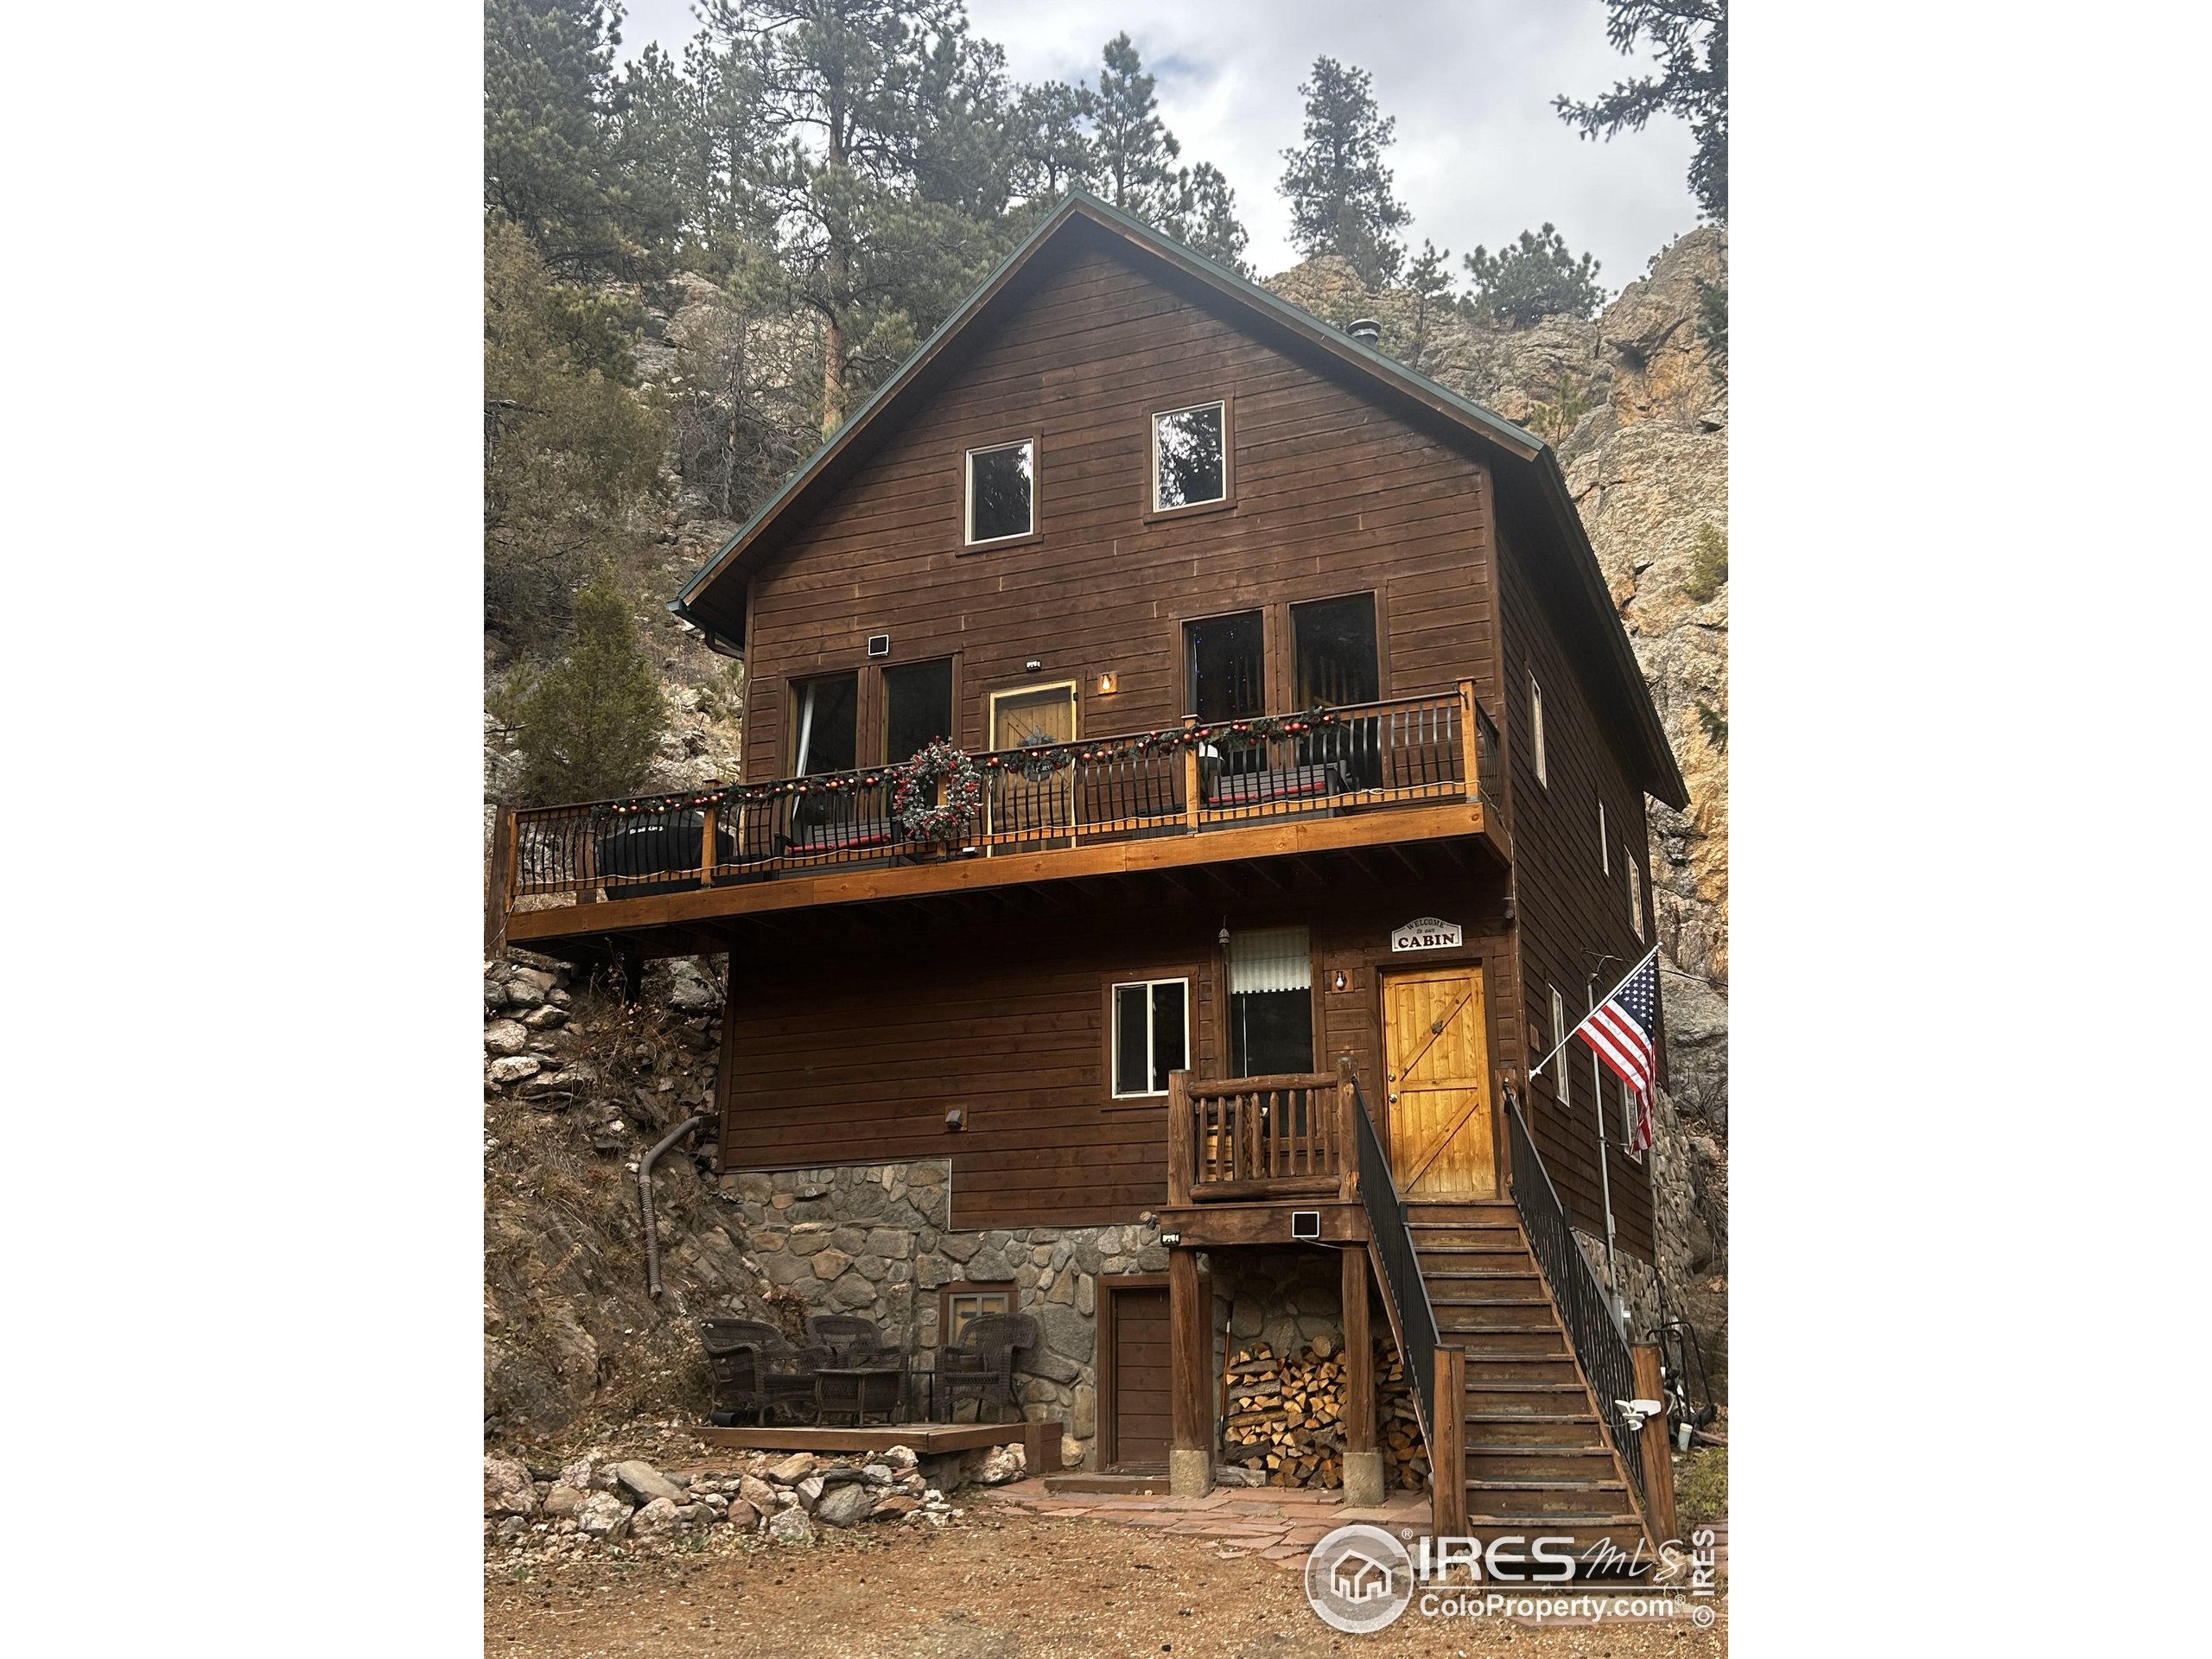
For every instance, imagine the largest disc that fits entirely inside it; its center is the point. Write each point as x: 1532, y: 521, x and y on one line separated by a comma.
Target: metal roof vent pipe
x: 1368, y: 331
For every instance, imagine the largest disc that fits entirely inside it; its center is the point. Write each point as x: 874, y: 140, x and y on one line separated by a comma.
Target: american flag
x: 1620, y: 1029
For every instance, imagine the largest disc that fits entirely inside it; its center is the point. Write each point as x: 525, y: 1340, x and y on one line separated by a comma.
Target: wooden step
x: 1495, y: 1342
x: 1531, y: 1368
x: 1490, y: 1460
x: 1534, y: 1498
x: 1502, y: 1209
x: 1623, y: 1532
x: 1525, y: 1396
x: 1551, y: 1430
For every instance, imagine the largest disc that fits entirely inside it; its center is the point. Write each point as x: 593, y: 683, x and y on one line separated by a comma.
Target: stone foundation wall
x: 872, y: 1239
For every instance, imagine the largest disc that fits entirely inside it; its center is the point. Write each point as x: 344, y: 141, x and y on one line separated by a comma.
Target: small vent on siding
x: 879, y: 645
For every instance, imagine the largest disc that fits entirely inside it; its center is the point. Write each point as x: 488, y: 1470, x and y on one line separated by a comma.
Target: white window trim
x: 1604, y: 843
x: 1114, y: 1034
x: 1221, y: 404
x: 968, y: 491
x: 1536, y: 729
x: 1565, y: 1069
x: 1634, y: 892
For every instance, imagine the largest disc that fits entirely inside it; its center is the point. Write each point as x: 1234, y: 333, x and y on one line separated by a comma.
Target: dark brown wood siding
x: 1575, y: 932
x: 1329, y: 496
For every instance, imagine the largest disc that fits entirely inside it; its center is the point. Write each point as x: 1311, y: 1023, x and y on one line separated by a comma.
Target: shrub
x: 587, y: 726
x: 1534, y: 278
x: 1708, y: 565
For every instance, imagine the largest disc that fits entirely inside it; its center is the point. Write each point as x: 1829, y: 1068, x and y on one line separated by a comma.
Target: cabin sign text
x: 1426, y: 933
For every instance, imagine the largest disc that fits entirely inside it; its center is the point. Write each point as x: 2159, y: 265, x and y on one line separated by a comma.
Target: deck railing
x: 1272, y: 1137
x: 1601, y: 1347
x: 1320, y: 761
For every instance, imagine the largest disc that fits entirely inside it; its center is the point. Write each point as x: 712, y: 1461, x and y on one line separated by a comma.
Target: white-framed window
x: 1152, y: 1035
x: 1190, y: 456
x: 1604, y: 842
x: 1634, y: 892
x: 1563, y: 1067
x: 1628, y: 1124
x: 1001, y: 491
x: 1536, y: 728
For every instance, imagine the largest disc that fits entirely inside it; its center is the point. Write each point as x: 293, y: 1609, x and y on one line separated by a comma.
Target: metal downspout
x: 646, y: 1195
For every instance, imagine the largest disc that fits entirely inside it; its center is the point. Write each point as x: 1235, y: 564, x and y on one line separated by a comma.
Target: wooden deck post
x: 1190, y: 777
x: 1470, y: 742
x: 1448, y: 1473
x: 499, y: 882
x: 1190, y: 1354
x: 1652, y: 1447
x: 706, y: 846
x: 1347, y: 1131
x: 1362, y: 1458
x: 1182, y: 1140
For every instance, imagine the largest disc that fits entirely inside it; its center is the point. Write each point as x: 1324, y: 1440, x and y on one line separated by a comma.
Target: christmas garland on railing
x: 1032, y: 761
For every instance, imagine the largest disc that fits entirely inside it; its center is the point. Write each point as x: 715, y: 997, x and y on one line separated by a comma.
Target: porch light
x: 1105, y: 685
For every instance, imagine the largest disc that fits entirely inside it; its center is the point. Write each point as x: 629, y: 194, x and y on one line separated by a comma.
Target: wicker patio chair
x: 982, y: 1362
x: 755, y: 1369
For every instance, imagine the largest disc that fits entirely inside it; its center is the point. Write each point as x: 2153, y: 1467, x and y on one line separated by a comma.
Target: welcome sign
x: 1426, y: 933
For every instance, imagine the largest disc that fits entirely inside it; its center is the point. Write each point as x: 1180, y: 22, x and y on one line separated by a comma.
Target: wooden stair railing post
x: 1347, y: 1131
x: 1470, y: 742
x: 1362, y: 1458
x: 1190, y: 1377
x: 1190, y: 777
x: 1448, y: 1472
x: 1651, y: 1446
x: 707, y: 845
x: 499, y: 882
x: 1182, y: 1139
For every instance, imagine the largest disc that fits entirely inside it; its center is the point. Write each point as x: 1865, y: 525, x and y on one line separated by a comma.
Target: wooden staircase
x: 1538, y: 1459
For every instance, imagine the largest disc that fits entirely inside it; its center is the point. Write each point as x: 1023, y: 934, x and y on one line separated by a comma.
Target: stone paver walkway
x: 1279, y: 1523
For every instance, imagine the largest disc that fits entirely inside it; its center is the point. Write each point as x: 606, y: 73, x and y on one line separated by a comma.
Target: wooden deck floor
x: 1040, y: 1439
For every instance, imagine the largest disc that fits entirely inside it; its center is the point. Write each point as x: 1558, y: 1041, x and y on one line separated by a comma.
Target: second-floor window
x: 1001, y: 491
x: 1536, y: 729
x: 1190, y: 457
x: 1604, y: 843
x: 1151, y: 1034
x: 917, y: 707
x: 1635, y: 893
x: 1563, y: 1067
x: 825, y: 728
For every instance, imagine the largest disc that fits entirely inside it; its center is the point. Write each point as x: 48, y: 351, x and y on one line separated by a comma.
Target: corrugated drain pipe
x: 645, y: 1197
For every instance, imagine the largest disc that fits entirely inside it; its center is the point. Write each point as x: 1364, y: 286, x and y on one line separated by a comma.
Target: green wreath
x: 915, y: 806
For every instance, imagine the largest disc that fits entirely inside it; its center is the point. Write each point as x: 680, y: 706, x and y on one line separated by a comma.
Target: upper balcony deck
x: 1401, y: 771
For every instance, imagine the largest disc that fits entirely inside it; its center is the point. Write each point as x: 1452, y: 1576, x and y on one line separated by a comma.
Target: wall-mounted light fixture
x: 1106, y: 685
x: 1034, y: 665
x: 956, y: 1119
x: 1339, y: 982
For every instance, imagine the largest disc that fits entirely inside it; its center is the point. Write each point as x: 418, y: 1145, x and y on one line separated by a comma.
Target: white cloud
x: 1479, y: 155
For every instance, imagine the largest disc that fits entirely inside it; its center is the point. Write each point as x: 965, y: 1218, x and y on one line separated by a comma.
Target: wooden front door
x: 1436, y: 1052
x: 1022, y: 804
x: 1136, y: 1406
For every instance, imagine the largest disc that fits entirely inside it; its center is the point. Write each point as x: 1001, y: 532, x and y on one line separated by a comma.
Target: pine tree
x: 1049, y: 153
x: 547, y: 95
x: 1430, y: 279
x: 1339, y: 191
x: 587, y: 726
x: 1531, y: 279
x: 1207, y: 223
x: 1135, y: 151
x: 1690, y: 39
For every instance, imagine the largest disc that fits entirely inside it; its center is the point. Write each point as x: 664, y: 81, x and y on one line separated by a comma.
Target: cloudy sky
x: 1479, y: 155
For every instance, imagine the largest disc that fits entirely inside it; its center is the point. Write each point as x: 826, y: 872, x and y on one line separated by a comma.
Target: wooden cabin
x: 1298, y: 806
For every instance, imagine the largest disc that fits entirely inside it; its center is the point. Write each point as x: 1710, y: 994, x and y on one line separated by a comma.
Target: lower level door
x: 1138, y: 1398
x: 1436, y: 1052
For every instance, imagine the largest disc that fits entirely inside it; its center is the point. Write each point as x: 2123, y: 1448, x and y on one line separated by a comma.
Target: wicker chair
x: 754, y: 1369
x: 982, y: 1364
x: 847, y: 1334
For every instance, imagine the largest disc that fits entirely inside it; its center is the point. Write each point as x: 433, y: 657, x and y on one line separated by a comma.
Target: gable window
x: 1634, y: 892
x: 1151, y: 1034
x: 959, y: 1303
x: 1562, y: 1068
x: 1190, y: 459
x: 917, y: 707
x: 1604, y: 843
x: 825, y: 727
x: 1536, y: 728
x: 1270, y: 1003
x: 1001, y: 491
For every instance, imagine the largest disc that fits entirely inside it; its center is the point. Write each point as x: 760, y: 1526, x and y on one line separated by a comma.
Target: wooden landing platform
x: 1040, y: 1439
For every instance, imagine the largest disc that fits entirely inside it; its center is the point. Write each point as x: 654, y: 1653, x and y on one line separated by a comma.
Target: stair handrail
x: 1601, y: 1347
x: 1405, y: 1292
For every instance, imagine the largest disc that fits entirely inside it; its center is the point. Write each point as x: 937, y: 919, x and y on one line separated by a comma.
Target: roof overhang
x: 1533, y: 490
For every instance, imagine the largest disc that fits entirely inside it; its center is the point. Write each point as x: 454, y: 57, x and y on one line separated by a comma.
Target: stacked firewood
x: 1405, y: 1461
x: 1285, y: 1421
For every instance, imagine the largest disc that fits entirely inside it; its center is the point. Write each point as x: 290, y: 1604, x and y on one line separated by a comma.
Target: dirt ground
x: 991, y: 1586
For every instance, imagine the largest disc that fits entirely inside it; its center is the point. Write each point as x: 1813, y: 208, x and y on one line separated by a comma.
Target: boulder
x: 809, y: 1491
x: 513, y: 1068
x: 791, y: 1527
x: 505, y: 1037
x: 845, y: 1506
x: 1002, y: 1463
x: 901, y: 1460
x: 876, y: 1474
x: 793, y: 1469
x: 603, y: 1515
x: 757, y: 1492
x: 655, y: 1520
x: 563, y: 1501
x: 645, y: 1483
x: 507, y: 1488
x: 744, y: 1515
x: 698, y: 1514
x: 896, y: 1503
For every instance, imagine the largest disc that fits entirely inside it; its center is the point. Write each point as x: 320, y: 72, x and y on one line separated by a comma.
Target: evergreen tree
x: 1048, y: 151
x: 1430, y: 279
x: 587, y: 726
x: 547, y: 84
x: 1532, y: 279
x: 1339, y: 191
x: 1207, y: 222
x: 1135, y: 151
x: 1690, y: 39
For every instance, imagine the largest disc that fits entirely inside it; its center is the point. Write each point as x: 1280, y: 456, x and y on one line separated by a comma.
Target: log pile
x: 1283, y: 1415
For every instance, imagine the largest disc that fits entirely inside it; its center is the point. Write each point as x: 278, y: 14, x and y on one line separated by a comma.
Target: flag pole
x: 1605, y: 1160
x: 1594, y: 1006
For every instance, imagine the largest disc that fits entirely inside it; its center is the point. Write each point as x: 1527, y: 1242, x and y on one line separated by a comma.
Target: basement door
x: 1436, y: 1047
x: 1135, y: 1406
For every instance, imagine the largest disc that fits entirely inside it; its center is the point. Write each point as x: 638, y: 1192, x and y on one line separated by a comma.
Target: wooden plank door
x: 1436, y: 1052
x: 1021, y: 807
x: 1137, y: 1408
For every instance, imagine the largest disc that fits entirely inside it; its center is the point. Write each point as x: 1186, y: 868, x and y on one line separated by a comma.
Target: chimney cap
x: 1367, y: 328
